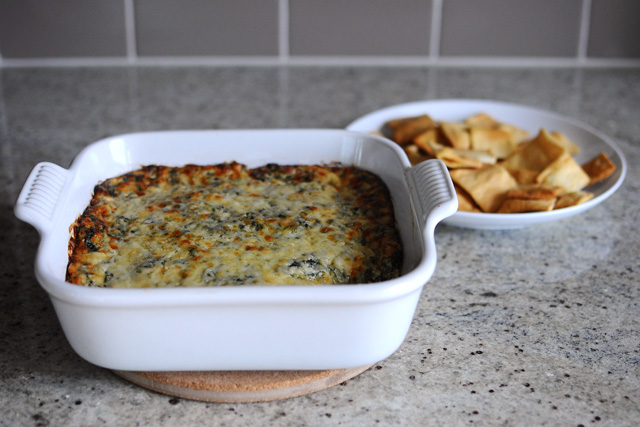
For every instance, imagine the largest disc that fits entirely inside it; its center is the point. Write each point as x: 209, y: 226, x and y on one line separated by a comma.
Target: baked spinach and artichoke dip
x: 226, y: 224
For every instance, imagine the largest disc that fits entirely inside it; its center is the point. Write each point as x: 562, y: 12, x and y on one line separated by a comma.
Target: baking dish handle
x: 39, y: 195
x: 431, y: 186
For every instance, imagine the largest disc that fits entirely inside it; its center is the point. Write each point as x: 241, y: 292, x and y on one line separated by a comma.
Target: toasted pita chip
x: 481, y: 156
x: 495, y: 141
x: 526, y: 205
x: 405, y: 130
x: 416, y: 155
x: 524, y: 176
x: 424, y: 140
x: 521, y: 146
x: 393, y: 124
x: 534, y: 155
x: 455, y: 161
x: 465, y: 202
x: 534, y: 192
x: 573, y: 199
x: 455, y: 158
x: 495, y: 168
x: 518, y: 135
x: 599, y: 168
x: 562, y: 140
x: 487, y: 186
x: 564, y: 172
x: 482, y: 120
x: 457, y: 134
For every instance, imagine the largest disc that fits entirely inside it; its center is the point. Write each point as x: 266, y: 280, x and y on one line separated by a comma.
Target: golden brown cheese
x: 225, y: 224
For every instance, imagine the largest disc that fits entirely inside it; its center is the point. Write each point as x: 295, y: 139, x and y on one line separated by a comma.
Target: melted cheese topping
x: 228, y: 225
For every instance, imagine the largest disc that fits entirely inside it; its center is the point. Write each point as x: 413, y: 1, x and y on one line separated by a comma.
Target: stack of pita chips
x: 499, y: 168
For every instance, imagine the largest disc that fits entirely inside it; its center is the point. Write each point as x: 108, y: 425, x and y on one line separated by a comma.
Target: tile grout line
x: 436, y: 29
x: 583, y: 36
x: 130, y: 31
x: 434, y: 46
x: 324, y: 61
x: 283, y: 30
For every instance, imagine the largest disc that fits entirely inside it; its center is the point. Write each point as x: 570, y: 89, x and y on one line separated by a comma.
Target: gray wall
x: 572, y: 32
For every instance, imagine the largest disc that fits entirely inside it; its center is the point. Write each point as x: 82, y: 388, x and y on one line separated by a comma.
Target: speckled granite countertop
x: 537, y: 326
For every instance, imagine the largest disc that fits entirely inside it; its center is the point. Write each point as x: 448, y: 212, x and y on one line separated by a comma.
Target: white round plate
x: 590, y: 141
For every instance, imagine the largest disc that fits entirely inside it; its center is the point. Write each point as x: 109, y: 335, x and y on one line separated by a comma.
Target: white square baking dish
x: 236, y: 328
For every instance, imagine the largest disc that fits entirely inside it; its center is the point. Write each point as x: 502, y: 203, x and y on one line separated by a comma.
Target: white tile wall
x: 359, y: 35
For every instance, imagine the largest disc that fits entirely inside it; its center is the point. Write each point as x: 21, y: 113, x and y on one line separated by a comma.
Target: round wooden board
x: 240, y: 386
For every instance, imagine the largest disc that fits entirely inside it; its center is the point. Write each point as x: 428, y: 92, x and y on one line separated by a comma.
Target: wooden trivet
x: 240, y: 386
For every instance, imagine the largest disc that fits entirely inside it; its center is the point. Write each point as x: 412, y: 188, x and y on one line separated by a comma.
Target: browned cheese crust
x: 226, y: 224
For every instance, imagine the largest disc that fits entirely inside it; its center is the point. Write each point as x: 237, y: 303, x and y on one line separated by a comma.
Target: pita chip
x: 573, y: 199
x: 487, y: 186
x: 599, y: 168
x: 404, y: 130
x: 534, y: 155
x: 526, y: 205
x: 494, y: 141
x: 562, y: 140
x: 456, y: 134
x: 564, y: 172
